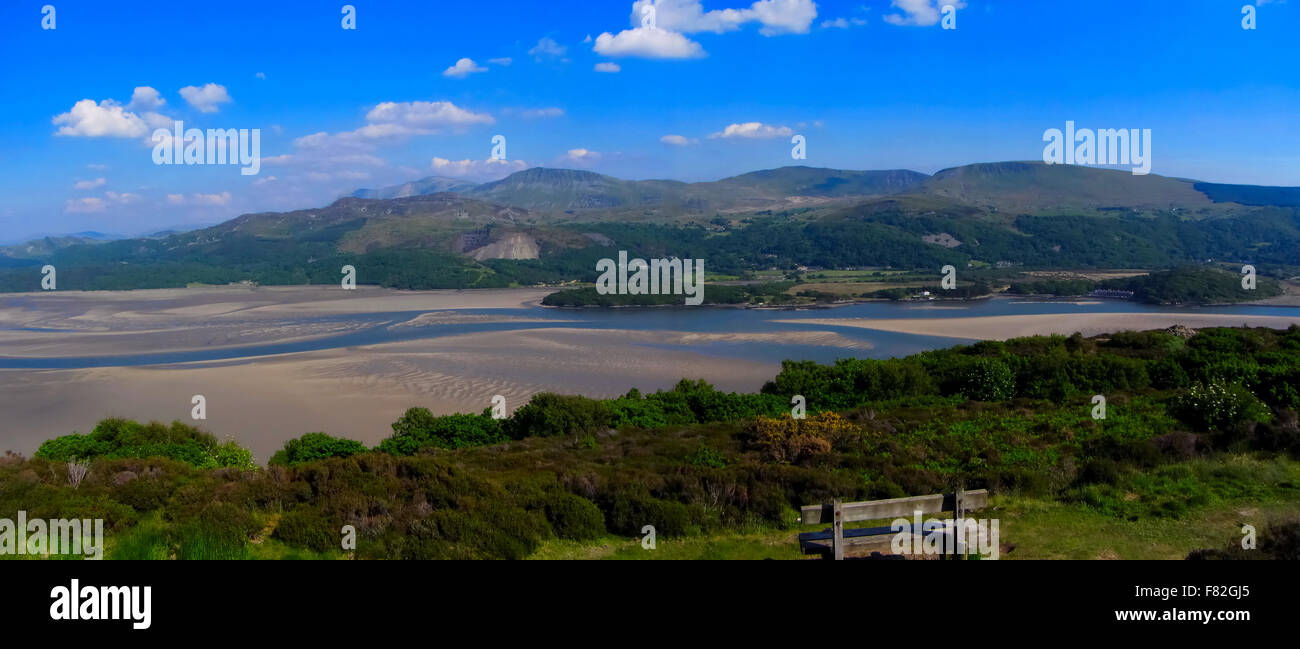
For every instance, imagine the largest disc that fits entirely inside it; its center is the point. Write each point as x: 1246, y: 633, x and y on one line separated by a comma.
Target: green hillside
x: 1200, y: 430
x: 548, y: 225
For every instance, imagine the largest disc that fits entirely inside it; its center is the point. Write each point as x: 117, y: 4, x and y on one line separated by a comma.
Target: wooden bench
x: 837, y: 514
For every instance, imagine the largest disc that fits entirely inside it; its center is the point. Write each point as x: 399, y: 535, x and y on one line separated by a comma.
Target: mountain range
x: 545, y: 225
x: 569, y: 191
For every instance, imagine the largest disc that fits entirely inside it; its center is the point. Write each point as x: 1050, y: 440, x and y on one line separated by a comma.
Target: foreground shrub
x: 315, y: 446
x: 308, y: 527
x: 1219, y: 406
x: 690, y: 402
x: 574, y: 517
x: 986, y: 379
x: 219, y: 531
x: 123, y: 438
x: 628, y: 509
x: 419, y: 429
x: 797, y: 441
x: 551, y: 415
x: 850, y: 381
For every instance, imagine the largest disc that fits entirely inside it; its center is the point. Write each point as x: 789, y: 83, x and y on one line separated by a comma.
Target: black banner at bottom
x: 172, y: 601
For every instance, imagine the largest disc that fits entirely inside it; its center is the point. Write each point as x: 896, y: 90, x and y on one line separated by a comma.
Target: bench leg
x: 837, y: 533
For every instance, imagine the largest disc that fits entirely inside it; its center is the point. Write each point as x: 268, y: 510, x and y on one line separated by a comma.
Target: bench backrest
x: 896, y: 507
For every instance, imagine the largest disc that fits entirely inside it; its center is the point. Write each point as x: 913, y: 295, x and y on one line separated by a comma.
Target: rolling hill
x: 430, y: 185
x: 571, y: 191
x: 550, y: 225
x: 1035, y: 187
x: 43, y: 247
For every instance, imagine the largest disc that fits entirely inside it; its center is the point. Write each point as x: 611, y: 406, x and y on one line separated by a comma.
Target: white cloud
x: 316, y: 153
x: 97, y: 166
x: 490, y: 169
x: 753, y: 130
x: 105, y: 119
x: 340, y: 157
x: 538, y: 113
x: 260, y: 75
x: 329, y: 163
x: 784, y: 16
x: 207, y: 98
x: 201, y: 200
x: 145, y: 98
x: 157, y: 120
x: 92, y: 204
x: 123, y: 198
x: 676, y: 140
x: 426, y: 114
x: 90, y: 184
x: 505, y: 60
x: 608, y: 67
x: 211, y: 199
x: 547, y: 47
x: 580, y: 157
x: 334, y: 176
x: 83, y: 205
x: 109, y: 118
x: 462, y: 69
x: 674, y: 18
x: 919, y: 13
x: 843, y: 23
x: 689, y: 16
x: 649, y: 43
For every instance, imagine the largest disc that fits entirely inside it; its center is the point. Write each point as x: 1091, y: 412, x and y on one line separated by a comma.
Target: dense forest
x: 1194, y: 421
x: 1181, y: 285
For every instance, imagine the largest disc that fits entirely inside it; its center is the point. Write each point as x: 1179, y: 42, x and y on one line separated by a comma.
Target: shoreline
x: 358, y: 390
x: 1004, y: 327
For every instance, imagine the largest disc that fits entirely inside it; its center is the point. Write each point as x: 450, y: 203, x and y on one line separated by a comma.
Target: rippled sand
x: 355, y: 391
x: 360, y: 391
x: 1014, y: 326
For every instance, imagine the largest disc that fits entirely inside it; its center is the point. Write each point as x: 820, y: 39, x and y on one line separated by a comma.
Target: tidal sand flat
x: 274, y: 363
x: 357, y: 392
x: 78, y: 323
x: 462, y: 348
x: 1014, y: 326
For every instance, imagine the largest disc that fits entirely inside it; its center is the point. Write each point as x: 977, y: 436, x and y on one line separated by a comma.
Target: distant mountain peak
x: 429, y: 185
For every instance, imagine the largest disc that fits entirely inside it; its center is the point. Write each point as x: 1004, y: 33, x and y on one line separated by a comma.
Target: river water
x: 376, y: 328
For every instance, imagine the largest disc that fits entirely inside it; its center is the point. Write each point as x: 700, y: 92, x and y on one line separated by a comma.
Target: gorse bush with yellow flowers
x: 799, y: 441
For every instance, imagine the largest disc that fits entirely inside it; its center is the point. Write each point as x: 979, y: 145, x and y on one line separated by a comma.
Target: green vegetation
x: 959, y: 292
x: 1057, y: 287
x: 1195, y: 428
x: 1193, y: 285
x: 980, y: 216
x: 1182, y: 285
x: 121, y: 438
x: 419, y: 429
x: 315, y: 446
x: 765, y: 293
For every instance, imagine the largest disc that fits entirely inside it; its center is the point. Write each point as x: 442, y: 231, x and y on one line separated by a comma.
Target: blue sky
x: 874, y: 84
